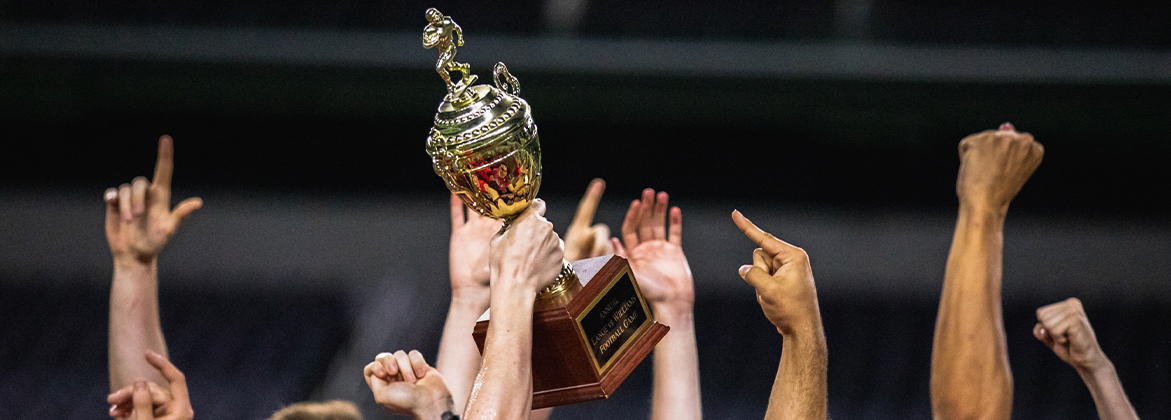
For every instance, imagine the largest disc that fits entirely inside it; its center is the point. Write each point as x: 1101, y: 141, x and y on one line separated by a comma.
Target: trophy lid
x: 481, y: 115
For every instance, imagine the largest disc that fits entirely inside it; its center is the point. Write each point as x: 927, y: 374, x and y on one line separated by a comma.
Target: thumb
x: 1042, y: 335
x: 142, y: 403
x: 619, y: 250
x: 184, y: 209
x: 755, y: 276
x: 538, y: 207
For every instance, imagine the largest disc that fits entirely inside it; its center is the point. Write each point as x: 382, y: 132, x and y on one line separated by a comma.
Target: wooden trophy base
x: 587, y: 339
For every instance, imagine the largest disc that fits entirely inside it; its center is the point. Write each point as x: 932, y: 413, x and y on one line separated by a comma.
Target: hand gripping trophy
x: 591, y: 325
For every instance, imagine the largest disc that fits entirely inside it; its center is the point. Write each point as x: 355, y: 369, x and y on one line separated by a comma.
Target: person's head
x: 433, y: 15
x: 329, y: 410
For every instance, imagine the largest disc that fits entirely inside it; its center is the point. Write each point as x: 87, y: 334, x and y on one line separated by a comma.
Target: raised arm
x: 523, y: 259
x: 1066, y: 330
x: 139, y: 221
x: 783, y: 280
x: 970, y: 376
x: 459, y: 358
x: 654, y: 247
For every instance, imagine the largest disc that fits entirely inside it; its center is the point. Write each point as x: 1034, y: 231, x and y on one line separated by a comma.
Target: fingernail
x: 744, y: 269
x: 1007, y: 126
x: 111, y: 194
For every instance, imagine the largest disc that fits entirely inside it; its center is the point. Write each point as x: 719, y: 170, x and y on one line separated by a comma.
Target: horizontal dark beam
x: 594, y: 56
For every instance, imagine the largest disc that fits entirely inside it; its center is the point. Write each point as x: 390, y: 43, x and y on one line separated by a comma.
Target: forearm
x: 1109, y: 397
x: 459, y: 358
x: 134, y: 323
x: 504, y: 386
x: 799, y: 390
x: 676, y: 371
x: 970, y: 376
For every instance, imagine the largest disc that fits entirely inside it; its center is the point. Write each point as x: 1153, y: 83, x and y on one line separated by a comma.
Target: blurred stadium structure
x: 323, y: 238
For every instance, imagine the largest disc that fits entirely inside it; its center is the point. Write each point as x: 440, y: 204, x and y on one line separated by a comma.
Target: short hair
x: 329, y: 410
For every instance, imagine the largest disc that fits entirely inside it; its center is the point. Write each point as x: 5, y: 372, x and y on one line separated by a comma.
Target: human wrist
x: 977, y: 210
x: 129, y: 264
x: 469, y: 298
x: 434, y: 410
x: 1094, y: 371
x: 676, y: 315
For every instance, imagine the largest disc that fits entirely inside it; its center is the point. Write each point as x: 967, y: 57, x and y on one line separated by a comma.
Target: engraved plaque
x: 611, y: 321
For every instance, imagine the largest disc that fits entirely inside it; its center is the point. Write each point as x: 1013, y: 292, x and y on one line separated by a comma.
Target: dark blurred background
x: 832, y: 123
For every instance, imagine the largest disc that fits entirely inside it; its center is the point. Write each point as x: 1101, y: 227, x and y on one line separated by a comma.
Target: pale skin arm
x: 1065, y: 329
x: 139, y: 221
x: 970, y: 376
x: 524, y: 259
x: 653, y: 245
x: 783, y: 280
x: 459, y: 358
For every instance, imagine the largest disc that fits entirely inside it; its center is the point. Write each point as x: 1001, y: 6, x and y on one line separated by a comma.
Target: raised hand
x: 653, y: 244
x: 468, y: 256
x: 994, y: 165
x: 139, y: 218
x: 528, y: 254
x: 1066, y: 330
x: 405, y: 384
x: 584, y: 239
x: 783, y: 280
x: 146, y: 400
x: 122, y: 401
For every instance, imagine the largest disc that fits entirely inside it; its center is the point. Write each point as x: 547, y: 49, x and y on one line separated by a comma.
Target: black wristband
x: 447, y: 415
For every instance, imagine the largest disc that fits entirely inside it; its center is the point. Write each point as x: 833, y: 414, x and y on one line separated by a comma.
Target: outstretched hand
x: 147, y: 400
x: 405, y: 384
x: 468, y: 251
x: 585, y: 239
x: 139, y: 217
x: 653, y: 244
x: 783, y: 280
x: 1066, y: 330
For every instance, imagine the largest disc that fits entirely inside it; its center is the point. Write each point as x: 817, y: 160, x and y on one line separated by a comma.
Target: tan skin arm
x: 523, y: 259
x: 783, y: 280
x: 970, y: 376
x: 139, y: 222
x: 654, y: 247
x: 1065, y: 329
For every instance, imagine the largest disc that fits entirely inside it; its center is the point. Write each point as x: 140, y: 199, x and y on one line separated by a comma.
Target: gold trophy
x: 592, y: 326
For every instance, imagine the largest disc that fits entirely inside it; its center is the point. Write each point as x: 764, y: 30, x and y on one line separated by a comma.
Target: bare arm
x: 1065, y: 329
x: 970, y: 376
x: 783, y: 280
x: 139, y: 221
x: 459, y: 358
x: 523, y: 259
x: 654, y: 247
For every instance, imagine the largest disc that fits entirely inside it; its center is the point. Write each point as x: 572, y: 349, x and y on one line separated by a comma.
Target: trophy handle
x: 504, y: 80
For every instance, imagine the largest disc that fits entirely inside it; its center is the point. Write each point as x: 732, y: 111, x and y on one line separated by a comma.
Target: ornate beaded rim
x: 479, y: 131
x: 475, y: 114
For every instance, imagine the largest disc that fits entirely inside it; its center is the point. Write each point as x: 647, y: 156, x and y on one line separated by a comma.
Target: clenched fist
x: 405, y: 384
x: 994, y: 165
x: 1064, y: 328
x: 783, y: 280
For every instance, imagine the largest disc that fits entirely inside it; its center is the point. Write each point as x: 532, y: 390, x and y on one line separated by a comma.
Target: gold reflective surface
x: 484, y: 143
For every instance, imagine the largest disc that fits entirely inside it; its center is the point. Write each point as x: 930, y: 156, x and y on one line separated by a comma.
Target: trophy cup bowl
x: 488, y: 151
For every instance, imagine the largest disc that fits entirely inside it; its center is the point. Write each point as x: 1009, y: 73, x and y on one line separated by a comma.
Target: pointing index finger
x: 166, y: 162
x: 589, y: 203
x: 765, y: 240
